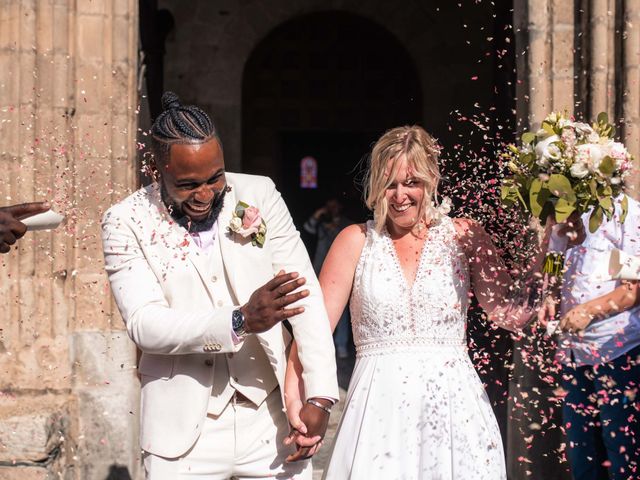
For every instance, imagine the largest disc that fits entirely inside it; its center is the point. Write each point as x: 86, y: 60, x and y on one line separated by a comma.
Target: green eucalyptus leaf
x: 563, y: 209
x: 625, y: 208
x: 548, y: 128
x: 505, y: 192
x: 538, y: 196
x: 560, y: 186
x: 603, y: 118
x: 595, y: 219
x: 606, y: 204
x: 528, y: 137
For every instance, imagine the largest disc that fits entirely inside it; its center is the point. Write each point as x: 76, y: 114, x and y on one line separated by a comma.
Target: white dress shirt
x: 606, y: 339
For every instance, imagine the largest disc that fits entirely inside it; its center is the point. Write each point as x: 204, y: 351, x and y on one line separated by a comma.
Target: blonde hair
x: 421, y: 151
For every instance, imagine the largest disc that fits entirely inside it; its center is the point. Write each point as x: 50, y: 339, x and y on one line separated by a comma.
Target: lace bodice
x: 387, y: 313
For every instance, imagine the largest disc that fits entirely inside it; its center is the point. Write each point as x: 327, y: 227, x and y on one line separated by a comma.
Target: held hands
x: 309, y: 424
x: 11, y: 228
x: 266, y: 306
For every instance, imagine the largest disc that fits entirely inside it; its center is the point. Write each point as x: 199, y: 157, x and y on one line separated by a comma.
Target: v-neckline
x: 396, y: 259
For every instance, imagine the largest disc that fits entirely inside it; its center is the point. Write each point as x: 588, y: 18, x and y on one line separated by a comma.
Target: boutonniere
x: 248, y: 222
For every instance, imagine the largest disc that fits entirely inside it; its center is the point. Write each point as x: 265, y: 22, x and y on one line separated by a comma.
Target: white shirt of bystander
x: 606, y: 339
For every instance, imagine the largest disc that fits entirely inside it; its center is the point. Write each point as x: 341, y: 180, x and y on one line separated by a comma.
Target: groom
x: 202, y: 289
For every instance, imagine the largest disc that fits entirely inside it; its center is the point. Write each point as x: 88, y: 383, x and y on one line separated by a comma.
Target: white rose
x: 553, y: 152
x: 579, y: 170
x: 590, y: 154
x: 547, y: 150
x: 235, y: 224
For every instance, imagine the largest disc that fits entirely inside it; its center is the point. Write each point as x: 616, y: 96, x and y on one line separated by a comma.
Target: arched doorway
x: 324, y: 85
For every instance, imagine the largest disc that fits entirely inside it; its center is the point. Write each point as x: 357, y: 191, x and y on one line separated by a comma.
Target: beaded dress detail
x: 416, y: 408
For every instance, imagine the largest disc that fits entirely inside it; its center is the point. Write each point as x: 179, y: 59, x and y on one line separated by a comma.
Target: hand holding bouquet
x: 567, y: 167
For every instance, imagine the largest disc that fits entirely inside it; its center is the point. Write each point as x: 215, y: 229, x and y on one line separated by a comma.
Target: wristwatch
x: 237, y: 324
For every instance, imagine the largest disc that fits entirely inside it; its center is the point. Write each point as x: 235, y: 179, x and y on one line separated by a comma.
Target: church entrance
x: 323, y: 87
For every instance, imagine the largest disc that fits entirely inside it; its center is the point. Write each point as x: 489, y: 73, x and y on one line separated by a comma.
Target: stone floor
x: 345, y: 367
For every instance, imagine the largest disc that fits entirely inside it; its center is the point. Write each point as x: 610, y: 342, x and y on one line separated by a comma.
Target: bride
x: 415, y: 409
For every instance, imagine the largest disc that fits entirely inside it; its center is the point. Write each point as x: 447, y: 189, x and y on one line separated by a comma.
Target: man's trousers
x: 244, y: 442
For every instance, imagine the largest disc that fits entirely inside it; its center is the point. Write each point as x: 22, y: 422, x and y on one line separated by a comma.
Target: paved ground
x: 345, y: 367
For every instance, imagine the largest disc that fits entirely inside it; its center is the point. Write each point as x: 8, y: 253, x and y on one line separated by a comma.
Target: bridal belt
x: 401, y: 345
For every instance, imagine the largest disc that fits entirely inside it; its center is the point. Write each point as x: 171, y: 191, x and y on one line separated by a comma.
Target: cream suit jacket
x: 161, y: 286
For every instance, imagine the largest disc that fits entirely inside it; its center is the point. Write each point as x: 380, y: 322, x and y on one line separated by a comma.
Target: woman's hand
x: 574, y: 230
x: 547, y: 311
x: 293, y: 404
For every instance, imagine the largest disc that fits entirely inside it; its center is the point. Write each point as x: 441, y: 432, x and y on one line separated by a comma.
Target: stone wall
x: 68, y: 391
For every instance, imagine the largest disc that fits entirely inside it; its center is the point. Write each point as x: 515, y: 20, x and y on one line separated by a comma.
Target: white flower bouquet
x: 564, y: 167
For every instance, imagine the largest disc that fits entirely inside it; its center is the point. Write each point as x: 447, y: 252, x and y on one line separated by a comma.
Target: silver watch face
x: 237, y: 320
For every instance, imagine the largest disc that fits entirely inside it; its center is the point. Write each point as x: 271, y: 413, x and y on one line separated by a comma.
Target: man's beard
x: 193, y: 226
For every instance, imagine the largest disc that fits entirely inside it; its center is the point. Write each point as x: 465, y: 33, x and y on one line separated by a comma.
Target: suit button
x: 214, y: 279
x: 208, y: 362
x: 230, y: 355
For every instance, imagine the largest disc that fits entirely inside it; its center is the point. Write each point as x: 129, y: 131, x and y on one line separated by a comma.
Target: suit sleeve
x: 311, y: 329
x: 152, y: 324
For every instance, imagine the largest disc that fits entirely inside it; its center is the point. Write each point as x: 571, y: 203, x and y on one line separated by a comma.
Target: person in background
x: 11, y: 228
x: 599, y: 349
x: 325, y: 225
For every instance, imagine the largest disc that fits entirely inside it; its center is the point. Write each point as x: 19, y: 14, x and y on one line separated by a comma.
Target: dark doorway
x: 327, y: 85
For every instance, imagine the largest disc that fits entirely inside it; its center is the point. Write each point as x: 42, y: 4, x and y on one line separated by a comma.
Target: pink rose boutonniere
x: 248, y: 222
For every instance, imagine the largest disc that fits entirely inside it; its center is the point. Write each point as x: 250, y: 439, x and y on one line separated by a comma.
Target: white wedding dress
x: 416, y: 408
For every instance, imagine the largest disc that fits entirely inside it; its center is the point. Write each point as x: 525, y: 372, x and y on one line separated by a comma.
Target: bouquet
x: 567, y: 167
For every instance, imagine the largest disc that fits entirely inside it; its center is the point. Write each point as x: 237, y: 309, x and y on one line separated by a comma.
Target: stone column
x: 67, y: 134
x: 631, y: 75
x: 548, y: 62
x: 602, y: 74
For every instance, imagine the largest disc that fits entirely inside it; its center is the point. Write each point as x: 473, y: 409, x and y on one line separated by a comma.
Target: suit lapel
x: 228, y: 246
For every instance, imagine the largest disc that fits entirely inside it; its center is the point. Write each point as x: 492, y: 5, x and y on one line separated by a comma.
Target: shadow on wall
x: 118, y: 472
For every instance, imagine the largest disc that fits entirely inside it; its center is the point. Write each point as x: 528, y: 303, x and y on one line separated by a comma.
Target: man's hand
x: 315, y: 421
x: 11, y: 228
x: 266, y: 306
x: 576, y: 319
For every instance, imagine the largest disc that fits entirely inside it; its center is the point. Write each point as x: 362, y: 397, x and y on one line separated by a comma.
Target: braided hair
x: 179, y: 124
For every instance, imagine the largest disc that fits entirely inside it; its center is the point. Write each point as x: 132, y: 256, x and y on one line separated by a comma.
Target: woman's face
x: 404, y: 196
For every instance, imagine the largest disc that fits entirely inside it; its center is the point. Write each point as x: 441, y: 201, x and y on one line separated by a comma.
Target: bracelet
x: 319, y: 405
